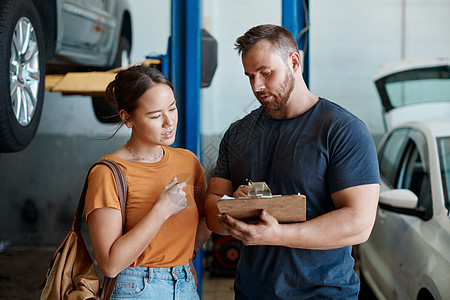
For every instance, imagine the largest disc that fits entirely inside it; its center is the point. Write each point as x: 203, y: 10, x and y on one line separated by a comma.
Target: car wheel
x: 22, y: 74
x: 365, y: 291
x: 227, y: 252
x: 425, y: 295
x: 104, y: 112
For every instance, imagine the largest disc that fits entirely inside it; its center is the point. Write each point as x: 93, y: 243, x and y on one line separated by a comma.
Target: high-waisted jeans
x: 156, y: 283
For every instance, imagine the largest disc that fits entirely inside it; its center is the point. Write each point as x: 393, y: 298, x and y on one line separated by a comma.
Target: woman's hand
x: 172, y: 198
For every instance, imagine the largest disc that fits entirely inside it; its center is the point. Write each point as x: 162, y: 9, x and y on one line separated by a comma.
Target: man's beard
x: 278, y: 100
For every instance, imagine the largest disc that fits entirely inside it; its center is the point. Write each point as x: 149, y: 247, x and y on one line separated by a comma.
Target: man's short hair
x: 281, y: 39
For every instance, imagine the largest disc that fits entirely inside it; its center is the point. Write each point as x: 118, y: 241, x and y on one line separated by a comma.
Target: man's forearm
x: 211, y: 214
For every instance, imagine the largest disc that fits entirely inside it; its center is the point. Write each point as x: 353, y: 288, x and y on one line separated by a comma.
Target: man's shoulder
x: 334, y: 108
x: 334, y: 114
x: 252, y: 116
x: 247, y: 120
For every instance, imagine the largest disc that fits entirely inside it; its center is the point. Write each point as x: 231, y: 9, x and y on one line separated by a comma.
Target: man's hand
x: 264, y: 232
x: 242, y: 191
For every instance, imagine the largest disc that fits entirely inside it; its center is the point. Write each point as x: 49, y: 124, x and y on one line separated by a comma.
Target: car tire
x: 22, y: 74
x: 365, y: 292
x: 227, y: 252
x: 104, y: 112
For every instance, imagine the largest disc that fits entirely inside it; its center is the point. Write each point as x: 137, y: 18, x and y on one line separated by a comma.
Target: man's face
x: 271, y: 80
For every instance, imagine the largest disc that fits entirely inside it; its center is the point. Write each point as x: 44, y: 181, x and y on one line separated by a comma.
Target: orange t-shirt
x: 173, y: 245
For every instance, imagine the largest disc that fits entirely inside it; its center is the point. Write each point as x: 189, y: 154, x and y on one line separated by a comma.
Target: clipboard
x: 286, y: 209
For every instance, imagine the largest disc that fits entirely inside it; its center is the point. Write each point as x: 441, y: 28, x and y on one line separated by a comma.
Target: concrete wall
x: 349, y: 40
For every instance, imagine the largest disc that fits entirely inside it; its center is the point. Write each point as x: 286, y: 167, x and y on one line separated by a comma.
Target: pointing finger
x: 172, y: 183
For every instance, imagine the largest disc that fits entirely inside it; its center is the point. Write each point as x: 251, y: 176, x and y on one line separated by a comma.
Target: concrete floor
x: 21, y: 272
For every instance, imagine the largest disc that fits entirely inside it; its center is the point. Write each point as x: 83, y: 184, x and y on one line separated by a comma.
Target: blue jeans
x: 156, y: 283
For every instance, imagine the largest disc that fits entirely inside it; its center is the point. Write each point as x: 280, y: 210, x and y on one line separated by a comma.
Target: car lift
x: 182, y: 65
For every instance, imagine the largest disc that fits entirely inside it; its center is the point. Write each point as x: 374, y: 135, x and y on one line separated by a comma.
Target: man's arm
x: 350, y: 224
x: 217, y: 187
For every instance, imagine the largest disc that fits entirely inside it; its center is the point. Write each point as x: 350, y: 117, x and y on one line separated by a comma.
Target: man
x: 296, y: 143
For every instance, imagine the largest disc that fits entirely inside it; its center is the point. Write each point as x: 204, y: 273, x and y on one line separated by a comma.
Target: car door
x: 396, y: 235
x: 411, y: 250
x: 377, y: 253
x: 87, y: 30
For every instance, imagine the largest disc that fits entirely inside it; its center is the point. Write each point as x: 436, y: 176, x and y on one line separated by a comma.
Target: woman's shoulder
x: 103, y: 169
x: 181, y: 153
x: 185, y: 157
x: 101, y: 173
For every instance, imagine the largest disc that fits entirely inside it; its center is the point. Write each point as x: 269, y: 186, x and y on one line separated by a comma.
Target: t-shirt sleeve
x: 102, y: 190
x: 222, y: 168
x: 353, y: 157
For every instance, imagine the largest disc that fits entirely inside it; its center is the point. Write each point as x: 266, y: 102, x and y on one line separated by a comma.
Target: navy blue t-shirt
x: 322, y: 151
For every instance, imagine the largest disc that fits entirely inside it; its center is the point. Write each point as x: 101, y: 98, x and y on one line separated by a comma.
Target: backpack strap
x: 122, y: 190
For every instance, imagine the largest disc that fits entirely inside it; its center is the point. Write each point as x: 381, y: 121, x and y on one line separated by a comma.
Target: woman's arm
x: 203, y: 232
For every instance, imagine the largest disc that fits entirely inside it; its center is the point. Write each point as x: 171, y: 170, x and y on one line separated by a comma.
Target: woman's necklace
x: 152, y: 160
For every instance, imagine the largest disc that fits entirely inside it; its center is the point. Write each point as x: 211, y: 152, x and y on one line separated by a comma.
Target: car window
x: 389, y: 157
x: 421, y: 85
x: 414, y: 173
x: 444, y: 158
x: 418, y: 91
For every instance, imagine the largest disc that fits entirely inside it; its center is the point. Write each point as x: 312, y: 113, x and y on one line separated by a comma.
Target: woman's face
x: 155, y: 120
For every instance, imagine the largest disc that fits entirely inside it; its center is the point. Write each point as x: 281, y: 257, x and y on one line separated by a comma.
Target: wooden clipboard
x: 286, y: 209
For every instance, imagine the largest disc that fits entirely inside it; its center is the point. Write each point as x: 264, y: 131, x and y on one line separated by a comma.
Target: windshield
x: 444, y: 158
x: 425, y: 85
x: 410, y: 92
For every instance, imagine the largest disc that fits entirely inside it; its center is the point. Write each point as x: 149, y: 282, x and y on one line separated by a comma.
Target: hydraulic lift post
x: 185, y: 70
x: 294, y: 17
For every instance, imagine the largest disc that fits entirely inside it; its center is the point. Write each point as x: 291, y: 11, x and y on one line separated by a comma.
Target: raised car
x: 38, y: 37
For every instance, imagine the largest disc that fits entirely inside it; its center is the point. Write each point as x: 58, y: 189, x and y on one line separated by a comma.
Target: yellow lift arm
x: 85, y: 83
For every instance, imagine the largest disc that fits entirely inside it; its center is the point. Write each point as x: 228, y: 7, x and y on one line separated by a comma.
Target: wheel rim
x: 24, y: 71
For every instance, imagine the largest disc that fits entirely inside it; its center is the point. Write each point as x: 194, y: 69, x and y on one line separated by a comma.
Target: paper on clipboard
x: 286, y: 209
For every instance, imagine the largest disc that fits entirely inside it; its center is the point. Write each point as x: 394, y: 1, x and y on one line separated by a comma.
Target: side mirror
x: 400, y: 198
x: 403, y: 202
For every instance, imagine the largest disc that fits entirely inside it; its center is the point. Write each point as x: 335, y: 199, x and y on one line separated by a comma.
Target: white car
x: 408, y: 253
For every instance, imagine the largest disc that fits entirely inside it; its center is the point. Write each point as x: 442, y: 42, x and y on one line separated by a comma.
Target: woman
x: 165, y: 222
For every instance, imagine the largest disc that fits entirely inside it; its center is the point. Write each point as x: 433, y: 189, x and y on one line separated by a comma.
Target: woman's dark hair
x: 129, y: 85
x: 281, y: 39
